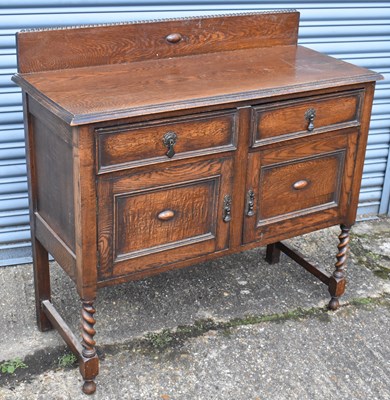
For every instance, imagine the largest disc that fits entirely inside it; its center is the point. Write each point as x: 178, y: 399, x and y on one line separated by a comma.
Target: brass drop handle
x: 227, y: 208
x: 174, y: 37
x: 169, y: 140
x: 250, y: 203
x: 310, y: 114
x: 166, y: 215
x: 298, y: 185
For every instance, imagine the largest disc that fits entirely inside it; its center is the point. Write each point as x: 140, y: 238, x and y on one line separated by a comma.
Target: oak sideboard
x: 157, y: 145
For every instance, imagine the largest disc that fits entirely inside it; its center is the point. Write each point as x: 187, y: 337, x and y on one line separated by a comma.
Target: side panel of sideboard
x: 51, y: 184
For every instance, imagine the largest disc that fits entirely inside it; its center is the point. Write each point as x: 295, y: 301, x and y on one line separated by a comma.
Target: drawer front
x: 299, y: 184
x: 308, y: 115
x: 131, y: 145
x: 150, y: 219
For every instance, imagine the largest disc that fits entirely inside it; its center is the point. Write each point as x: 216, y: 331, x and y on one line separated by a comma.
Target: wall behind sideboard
x: 355, y: 31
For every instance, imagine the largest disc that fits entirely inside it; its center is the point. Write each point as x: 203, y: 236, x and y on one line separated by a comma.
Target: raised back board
x: 63, y: 48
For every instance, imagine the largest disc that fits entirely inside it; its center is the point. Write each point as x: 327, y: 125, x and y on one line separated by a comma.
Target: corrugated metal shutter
x: 355, y: 31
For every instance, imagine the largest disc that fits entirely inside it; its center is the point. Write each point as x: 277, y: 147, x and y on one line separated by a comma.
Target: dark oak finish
x: 86, y: 46
x: 39, y: 252
x: 55, y: 205
x: 323, y: 162
x: 337, y: 280
x: 89, y: 95
x: 126, y: 146
x: 317, y: 113
x: 132, y: 238
x: 156, y: 145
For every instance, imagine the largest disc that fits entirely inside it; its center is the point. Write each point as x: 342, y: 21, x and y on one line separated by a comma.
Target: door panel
x: 147, y: 219
x: 300, y: 183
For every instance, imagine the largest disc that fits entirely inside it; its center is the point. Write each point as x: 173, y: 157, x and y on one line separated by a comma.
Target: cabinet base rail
x: 89, y: 366
x: 85, y: 350
x: 335, y: 282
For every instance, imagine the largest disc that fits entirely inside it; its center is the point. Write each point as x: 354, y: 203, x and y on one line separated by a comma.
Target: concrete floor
x: 252, y: 331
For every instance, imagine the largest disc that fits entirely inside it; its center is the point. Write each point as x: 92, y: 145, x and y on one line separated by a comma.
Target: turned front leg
x: 89, y: 362
x: 337, y: 280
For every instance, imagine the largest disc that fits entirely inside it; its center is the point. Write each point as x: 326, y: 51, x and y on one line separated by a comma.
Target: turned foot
x: 337, y: 280
x: 89, y: 362
x: 89, y: 387
x: 334, y: 304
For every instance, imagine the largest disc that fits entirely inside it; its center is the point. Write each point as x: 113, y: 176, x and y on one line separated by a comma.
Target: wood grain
x: 131, y: 237
x: 356, y: 171
x: 281, y: 197
x: 84, y: 200
x: 53, y: 157
x: 51, y: 241
x: 125, y: 146
x: 124, y: 43
x: 289, y: 117
x: 93, y: 94
x: 254, y: 115
x: 138, y: 223
x: 324, y: 161
x: 42, y: 286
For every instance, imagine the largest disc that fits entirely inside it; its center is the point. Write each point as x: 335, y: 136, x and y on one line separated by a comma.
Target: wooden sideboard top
x: 231, y: 69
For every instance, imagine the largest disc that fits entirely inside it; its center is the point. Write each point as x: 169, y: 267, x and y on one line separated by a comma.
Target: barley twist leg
x: 337, y: 280
x: 88, y: 343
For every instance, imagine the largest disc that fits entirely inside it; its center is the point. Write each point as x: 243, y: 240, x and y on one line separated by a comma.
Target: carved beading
x: 283, y: 11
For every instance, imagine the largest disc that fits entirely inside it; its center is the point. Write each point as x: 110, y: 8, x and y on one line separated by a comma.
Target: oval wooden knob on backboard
x: 174, y: 37
x: 166, y: 215
x: 300, y: 184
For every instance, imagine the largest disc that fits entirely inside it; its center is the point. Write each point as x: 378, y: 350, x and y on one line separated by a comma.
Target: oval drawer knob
x: 166, y: 215
x: 300, y: 184
x: 174, y: 37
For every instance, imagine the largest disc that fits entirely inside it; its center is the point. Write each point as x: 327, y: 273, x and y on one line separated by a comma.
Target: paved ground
x: 235, y: 328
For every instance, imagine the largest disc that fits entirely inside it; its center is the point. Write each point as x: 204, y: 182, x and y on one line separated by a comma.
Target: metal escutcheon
x: 250, y: 203
x: 310, y: 114
x: 227, y: 208
x: 169, y: 141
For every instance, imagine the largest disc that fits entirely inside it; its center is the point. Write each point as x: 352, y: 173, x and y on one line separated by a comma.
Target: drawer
x: 290, y: 187
x: 151, y: 219
x: 307, y: 115
x: 147, y: 143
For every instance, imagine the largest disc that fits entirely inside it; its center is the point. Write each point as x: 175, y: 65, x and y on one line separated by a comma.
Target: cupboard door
x: 155, y: 217
x: 293, y: 187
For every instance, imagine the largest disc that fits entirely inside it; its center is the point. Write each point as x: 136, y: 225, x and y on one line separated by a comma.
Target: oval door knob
x: 174, y: 38
x: 300, y: 184
x: 166, y: 215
